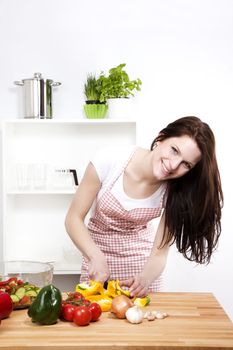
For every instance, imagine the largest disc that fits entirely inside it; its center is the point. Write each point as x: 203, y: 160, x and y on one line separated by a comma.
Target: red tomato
x: 95, y: 311
x: 67, y: 312
x: 6, y: 305
x: 86, y: 302
x: 25, y: 300
x: 77, y: 296
x: 82, y: 316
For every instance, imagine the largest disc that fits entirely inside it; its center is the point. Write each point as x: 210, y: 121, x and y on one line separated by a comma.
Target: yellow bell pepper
x: 111, y: 289
x: 142, y: 301
x: 104, y: 301
x: 92, y: 288
x: 120, y: 291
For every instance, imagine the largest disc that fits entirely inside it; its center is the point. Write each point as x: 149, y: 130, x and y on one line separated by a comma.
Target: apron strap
x: 123, y: 168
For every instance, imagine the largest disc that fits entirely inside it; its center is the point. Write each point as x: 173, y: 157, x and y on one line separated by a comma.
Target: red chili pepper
x: 3, y: 283
x: 10, y: 280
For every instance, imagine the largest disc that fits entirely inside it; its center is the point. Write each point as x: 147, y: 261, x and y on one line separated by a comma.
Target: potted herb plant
x: 94, y: 108
x: 116, y: 89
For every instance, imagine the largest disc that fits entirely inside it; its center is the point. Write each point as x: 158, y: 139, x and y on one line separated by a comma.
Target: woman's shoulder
x: 109, y: 159
x: 114, y: 154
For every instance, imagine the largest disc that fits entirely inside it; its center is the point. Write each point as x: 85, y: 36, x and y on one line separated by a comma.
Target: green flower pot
x: 95, y: 111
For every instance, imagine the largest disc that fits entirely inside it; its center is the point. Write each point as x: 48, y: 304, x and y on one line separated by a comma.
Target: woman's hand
x: 98, y: 269
x: 138, y: 286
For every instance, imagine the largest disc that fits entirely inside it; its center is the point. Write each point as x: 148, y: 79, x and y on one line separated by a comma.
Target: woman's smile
x: 165, y: 169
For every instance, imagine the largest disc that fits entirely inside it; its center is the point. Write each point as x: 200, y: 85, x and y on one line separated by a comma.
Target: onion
x: 120, y: 305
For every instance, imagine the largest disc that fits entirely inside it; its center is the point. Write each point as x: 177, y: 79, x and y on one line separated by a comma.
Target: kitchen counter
x: 196, y: 321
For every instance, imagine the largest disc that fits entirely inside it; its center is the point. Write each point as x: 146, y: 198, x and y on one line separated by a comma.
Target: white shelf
x: 33, y: 219
x: 70, y: 121
x: 44, y: 192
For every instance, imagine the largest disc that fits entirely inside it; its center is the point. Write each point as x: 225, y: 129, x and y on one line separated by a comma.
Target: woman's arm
x: 74, y: 223
x: 138, y: 285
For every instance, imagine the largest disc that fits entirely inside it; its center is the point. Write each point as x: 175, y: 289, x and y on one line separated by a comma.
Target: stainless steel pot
x: 37, y: 93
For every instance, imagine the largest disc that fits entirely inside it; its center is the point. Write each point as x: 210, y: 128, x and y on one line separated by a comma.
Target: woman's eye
x: 187, y: 165
x: 174, y: 150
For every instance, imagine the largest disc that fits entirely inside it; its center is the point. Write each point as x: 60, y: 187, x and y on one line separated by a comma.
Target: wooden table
x: 196, y: 321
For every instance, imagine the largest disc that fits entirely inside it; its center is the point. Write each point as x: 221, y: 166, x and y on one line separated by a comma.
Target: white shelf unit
x: 33, y: 219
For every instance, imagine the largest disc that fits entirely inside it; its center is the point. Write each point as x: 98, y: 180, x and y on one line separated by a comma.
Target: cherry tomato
x: 82, y: 316
x: 67, y: 312
x: 20, y: 282
x: 75, y: 296
x: 95, y: 311
x: 86, y: 302
x: 25, y: 300
x: 78, y: 296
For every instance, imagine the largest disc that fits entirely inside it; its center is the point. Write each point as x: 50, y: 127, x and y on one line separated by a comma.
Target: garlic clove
x: 160, y: 315
x: 150, y: 316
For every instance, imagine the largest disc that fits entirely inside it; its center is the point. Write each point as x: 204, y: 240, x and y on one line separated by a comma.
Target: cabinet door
x: 34, y: 211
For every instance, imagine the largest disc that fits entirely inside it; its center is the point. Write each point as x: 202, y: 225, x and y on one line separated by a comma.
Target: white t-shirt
x: 108, y: 164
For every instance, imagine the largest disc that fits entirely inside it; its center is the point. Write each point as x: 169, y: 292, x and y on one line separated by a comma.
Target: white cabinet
x: 37, y: 189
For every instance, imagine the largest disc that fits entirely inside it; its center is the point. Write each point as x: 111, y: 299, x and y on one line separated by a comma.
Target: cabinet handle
x: 74, y: 172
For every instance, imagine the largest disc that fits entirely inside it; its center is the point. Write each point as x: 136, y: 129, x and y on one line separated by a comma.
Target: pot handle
x: 55, y: 83
x: 20, y: 83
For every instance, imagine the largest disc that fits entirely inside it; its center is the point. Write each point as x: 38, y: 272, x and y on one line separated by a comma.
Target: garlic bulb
x: 134, y: 314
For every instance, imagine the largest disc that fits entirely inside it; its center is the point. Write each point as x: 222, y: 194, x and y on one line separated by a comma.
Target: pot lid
x: 37, y: 76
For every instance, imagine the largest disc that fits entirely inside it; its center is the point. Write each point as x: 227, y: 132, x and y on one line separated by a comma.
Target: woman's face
x: 174, y: 157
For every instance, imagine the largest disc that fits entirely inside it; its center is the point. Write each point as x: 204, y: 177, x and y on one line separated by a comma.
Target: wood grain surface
x: 196, y: 321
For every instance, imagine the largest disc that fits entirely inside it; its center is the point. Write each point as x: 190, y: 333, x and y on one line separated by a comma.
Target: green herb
x: 117, y: 84
x: 90, y: 88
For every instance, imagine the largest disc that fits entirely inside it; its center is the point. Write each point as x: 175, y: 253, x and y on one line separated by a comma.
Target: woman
x: 131, y: 187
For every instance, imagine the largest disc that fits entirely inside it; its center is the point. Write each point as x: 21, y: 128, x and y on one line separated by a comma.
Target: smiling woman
x: 130, y: 187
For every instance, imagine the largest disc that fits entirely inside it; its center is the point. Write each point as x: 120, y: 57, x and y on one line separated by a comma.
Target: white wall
x: 181, y: 49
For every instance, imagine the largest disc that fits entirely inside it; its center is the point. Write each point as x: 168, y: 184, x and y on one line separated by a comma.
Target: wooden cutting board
x: 196, y: 321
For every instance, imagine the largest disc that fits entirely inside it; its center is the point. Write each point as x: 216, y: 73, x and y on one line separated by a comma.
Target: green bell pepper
x: 46, y: 308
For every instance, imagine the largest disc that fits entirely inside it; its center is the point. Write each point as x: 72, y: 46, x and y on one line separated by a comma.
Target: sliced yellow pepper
x: 142, y: 301
x: 111, y: 289
x: 104, y: 301
x: 92, y: 288
x: 120, y: 291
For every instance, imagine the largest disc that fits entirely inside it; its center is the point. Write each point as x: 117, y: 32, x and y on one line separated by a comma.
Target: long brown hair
x: 194, y: 201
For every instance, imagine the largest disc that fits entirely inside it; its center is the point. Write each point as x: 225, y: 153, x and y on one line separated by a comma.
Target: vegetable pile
x: 80, y: 310
x: 22, y: 293
x: 83, y: 306
x: 48, y: 307
x: 95, y: 292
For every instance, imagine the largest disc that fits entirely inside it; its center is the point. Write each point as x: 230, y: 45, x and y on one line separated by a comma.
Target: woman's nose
x: 174, y: 163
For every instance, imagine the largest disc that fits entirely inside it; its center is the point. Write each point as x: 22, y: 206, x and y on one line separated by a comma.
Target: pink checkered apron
x: 124, y: 236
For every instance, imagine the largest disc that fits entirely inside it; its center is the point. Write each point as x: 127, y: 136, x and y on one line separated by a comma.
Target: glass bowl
x: 24, y: 279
